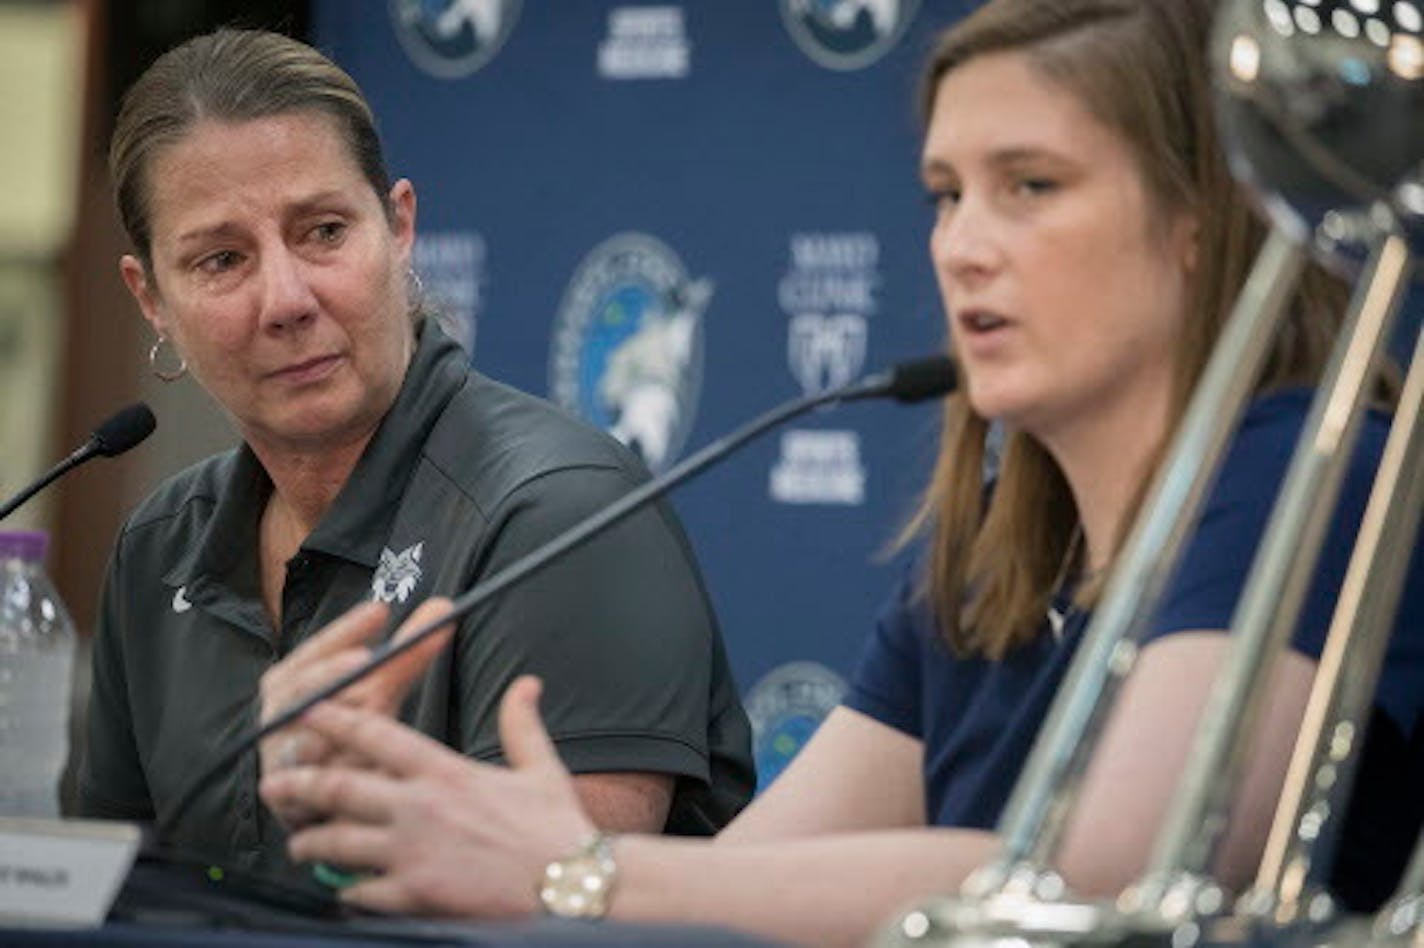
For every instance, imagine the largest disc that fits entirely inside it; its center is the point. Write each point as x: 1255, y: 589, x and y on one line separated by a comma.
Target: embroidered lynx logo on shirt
x: 397, y: 575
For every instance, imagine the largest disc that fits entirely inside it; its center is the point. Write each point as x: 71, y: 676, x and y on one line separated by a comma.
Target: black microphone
x: 123, y: 430
x: 907, y: 382
x: 119, y: 432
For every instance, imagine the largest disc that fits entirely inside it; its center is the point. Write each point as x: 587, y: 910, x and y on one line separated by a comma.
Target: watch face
x: 578, y: 887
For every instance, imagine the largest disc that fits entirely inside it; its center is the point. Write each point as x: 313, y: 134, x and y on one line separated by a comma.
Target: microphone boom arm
x: 80, y: 454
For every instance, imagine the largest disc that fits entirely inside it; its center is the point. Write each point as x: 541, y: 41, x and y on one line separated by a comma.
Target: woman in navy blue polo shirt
x: 1088, y: 242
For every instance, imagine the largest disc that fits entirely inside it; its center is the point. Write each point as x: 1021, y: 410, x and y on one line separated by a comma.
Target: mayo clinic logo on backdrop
x: 828, y: 295
x: 847, y: 34
x: 627, y: 345
x: 452, y: 38
x: 451, y: 265
x: 825, y: 350
x: 785, y: 707
x: 645, y: 43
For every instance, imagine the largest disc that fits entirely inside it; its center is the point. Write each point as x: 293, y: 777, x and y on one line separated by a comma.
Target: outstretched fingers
x: 387, y: 686
x: 343, y: 843
x: 337, y: 650
x: 388, y: 894
x: 393, y: 747
x: 347, y: 793
x: 352, y: 629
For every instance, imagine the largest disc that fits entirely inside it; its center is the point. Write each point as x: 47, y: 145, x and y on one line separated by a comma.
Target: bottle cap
x: 23, y: 544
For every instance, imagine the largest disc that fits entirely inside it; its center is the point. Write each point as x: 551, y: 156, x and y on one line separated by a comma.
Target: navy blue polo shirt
x: 978, y: 719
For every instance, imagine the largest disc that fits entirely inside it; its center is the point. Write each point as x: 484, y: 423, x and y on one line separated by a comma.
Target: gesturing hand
x: 445, y: 835
x: 334, y: 651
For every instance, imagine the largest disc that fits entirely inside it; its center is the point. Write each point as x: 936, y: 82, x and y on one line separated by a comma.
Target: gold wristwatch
x: 581, y: 885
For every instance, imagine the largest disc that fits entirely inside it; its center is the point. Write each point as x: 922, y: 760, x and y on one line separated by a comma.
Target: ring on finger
x: 289, y: 754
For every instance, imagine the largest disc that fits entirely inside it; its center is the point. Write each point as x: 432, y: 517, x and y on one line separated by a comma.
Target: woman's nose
x: 288, y: 300
x: 963, y: 241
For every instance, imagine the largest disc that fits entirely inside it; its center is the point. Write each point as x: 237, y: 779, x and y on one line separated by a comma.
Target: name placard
x: 62, y: 873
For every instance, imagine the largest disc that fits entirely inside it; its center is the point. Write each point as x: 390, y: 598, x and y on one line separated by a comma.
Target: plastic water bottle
x: 36, y: 658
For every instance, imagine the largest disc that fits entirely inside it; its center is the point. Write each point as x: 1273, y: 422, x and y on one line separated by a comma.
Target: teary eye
x: 219, y: 262
x: 329, y: 232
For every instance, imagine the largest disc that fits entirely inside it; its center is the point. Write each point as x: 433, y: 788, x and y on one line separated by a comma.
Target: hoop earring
x: 165, y: 375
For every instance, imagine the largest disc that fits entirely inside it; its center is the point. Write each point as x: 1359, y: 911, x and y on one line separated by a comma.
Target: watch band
x: 581, y: 884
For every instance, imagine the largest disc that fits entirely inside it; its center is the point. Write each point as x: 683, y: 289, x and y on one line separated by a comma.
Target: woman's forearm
x: 829, y: 891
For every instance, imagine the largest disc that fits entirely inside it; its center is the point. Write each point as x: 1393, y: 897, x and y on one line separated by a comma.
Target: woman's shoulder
x: 199, y: 484
x: 1285, y: 409
x: 493, y: 438
x: 1213, y: 569
x: 905, y: 620
x: 1272, y: 424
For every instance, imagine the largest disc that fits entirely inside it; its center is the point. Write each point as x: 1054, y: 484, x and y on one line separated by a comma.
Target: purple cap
x: 24, y: 544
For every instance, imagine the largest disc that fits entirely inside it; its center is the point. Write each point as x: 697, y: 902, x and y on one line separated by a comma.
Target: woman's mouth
x: 310, y: 370
x: 981, y: 321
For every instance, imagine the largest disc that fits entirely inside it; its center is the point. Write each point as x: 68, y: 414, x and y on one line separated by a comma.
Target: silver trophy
x: 1321, y: 103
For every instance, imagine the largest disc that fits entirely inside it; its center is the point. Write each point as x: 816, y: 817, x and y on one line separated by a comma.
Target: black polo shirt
x: 463, y: 477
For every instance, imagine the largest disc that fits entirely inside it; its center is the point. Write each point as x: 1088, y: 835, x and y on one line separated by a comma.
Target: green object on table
x: 333, y: 877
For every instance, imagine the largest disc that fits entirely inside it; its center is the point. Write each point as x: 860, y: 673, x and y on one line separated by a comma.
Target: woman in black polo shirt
x: 271, y: 257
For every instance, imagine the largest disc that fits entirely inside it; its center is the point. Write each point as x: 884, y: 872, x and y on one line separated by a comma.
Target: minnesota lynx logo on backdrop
x: 847, y: 34
x: 453, y: 38
x: 785, y: 707
x: 627, y: 345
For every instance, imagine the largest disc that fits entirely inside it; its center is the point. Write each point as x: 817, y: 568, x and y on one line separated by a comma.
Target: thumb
x: 521, y: 731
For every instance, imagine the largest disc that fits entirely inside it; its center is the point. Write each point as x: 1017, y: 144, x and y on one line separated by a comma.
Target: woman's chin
x: 314, y: 429
x: 999, y: 404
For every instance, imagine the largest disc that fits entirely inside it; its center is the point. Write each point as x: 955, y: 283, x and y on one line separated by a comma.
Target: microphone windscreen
x: 124, y: 429
x: 922, y: 379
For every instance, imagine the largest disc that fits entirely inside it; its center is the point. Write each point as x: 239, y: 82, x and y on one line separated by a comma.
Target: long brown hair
x: 1139, y: 66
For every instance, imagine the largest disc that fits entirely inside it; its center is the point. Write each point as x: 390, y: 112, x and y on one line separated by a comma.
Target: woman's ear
x: 137, y: 280
x: 402, y: 198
